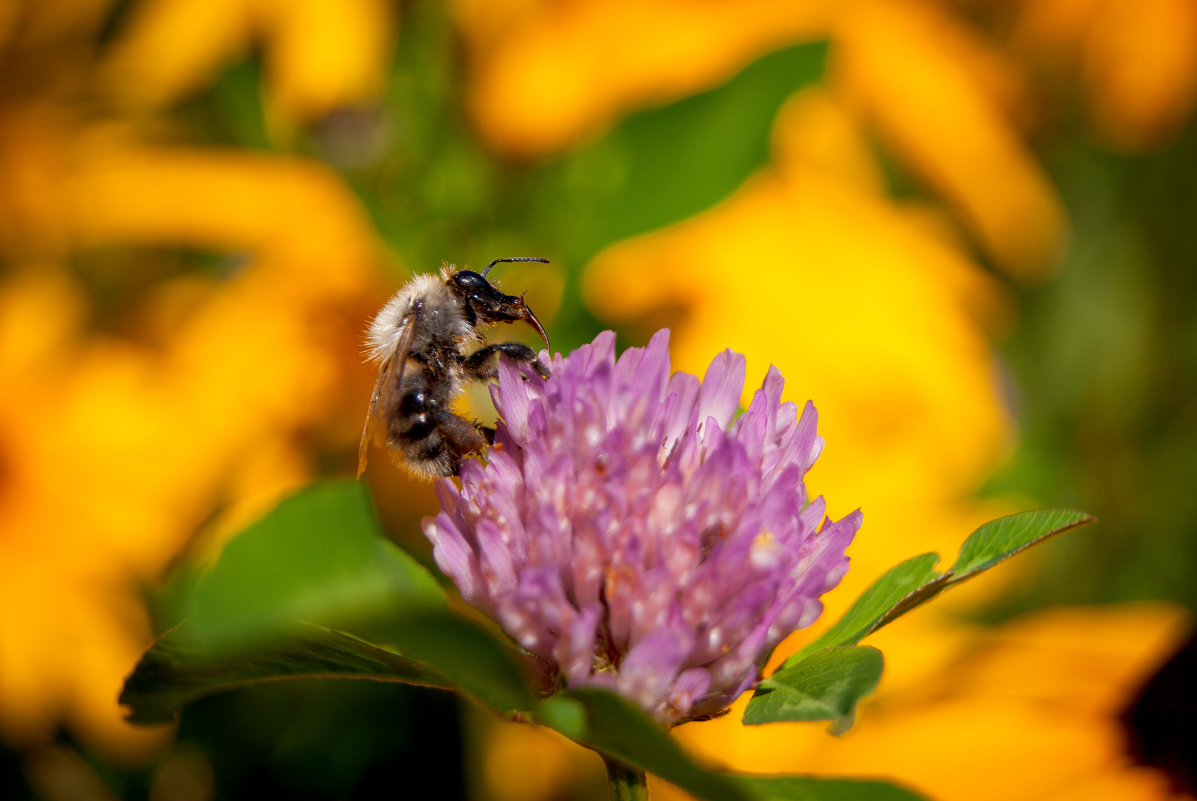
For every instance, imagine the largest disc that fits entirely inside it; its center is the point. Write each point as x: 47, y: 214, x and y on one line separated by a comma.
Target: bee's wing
x: 386, y: 386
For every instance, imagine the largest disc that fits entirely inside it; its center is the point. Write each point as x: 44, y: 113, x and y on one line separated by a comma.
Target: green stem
x: 624, y: 782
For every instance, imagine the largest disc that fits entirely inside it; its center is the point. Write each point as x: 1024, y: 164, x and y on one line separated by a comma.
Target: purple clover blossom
x: 629, y: 535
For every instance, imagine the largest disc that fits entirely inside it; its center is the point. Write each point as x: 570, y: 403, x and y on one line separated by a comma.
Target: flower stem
x: 624, y: 782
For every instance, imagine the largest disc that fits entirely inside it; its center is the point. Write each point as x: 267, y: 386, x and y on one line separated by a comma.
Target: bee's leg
x: 487, y: 432
x: 458, y: 437
x: 460, y: 434
x: 482, y: 364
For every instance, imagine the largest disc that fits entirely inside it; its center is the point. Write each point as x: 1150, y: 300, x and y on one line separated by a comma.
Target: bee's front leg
x: 483, y: 364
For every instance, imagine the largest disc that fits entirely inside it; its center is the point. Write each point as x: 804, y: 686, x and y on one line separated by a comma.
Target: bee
x: 421, y: 341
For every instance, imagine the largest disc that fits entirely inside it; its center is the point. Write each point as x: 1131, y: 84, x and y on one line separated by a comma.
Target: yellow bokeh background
x: 181, y: 307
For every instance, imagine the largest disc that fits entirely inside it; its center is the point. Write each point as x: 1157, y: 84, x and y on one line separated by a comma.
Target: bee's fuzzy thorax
x: 385, y: 328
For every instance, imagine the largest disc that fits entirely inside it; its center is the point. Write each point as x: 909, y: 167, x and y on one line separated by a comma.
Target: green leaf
x: 1000, y: 539
x: 825, y: 686
x: 900, y: 589
x: 813, y: 788
x: 667, y: 163
x: 896, y: 584
x: 320, y: 557
x: 176, y: 672
x: 992, y: 543
x: 610, y: 723
x: 430, y: 648
x: 915, y: 581
x: 606, y: 722
x: 482, y: 664
x: 267, y: 608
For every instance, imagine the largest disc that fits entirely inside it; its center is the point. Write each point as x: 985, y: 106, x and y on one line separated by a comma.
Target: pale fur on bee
x: 421, y: 340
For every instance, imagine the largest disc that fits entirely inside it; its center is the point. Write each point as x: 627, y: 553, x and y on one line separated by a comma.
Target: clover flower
x: 628, y: 534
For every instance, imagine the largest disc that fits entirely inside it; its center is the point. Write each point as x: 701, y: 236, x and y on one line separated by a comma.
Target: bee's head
x: 485, y: 304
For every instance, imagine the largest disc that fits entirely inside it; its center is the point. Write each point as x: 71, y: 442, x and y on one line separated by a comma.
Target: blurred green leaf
x: 825, y: 686
x: 265, y: 609
x: 915, y: 581
x: 813, y: 788
x: 482, y: 664
x: 175, y: 672
x: 430, y: 648
x: 609, y: 723
x: 319, y: 557
x: 667, y: 163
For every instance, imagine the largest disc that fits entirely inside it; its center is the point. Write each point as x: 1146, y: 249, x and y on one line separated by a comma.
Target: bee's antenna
x: 512, y: 258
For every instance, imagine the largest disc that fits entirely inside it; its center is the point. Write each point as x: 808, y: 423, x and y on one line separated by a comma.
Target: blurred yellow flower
x: 64, y: 614
x: 320, y: 55
x: 1134, y: 62
x: 116, y: 453
x: 1028, y: 709
x: 957, y: 103
x: 945, y: 101
x: 545, y: 74
x: 130, y: 422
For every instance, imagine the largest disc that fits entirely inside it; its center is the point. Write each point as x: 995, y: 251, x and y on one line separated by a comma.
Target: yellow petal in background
x: 550, y: 74
x: 169, y: 48
x: 280, y: 209
x: 69, y: 634
x: 320, y: 54
x: 33, y: 139
x: 123, y: 453
x: 899, y: 63
x: 814, y: 130
x: 324, y: 54
x: 70, y: 613
x: 1140, y: 69
x: 122, y: 449
x: 1133, y: 62
x: 554, y: 767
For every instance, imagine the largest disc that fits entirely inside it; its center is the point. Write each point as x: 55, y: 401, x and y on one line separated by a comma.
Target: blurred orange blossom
x: 957, y: 103
x: 119, y: 444
x: 134, y: 444
x: 320, y: 55
x: 1132, y: 62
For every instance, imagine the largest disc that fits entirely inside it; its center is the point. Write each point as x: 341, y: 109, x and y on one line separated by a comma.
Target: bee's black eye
x: 470, y: 282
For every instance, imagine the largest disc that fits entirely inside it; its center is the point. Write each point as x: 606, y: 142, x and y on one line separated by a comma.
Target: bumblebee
x: 422, y: 341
